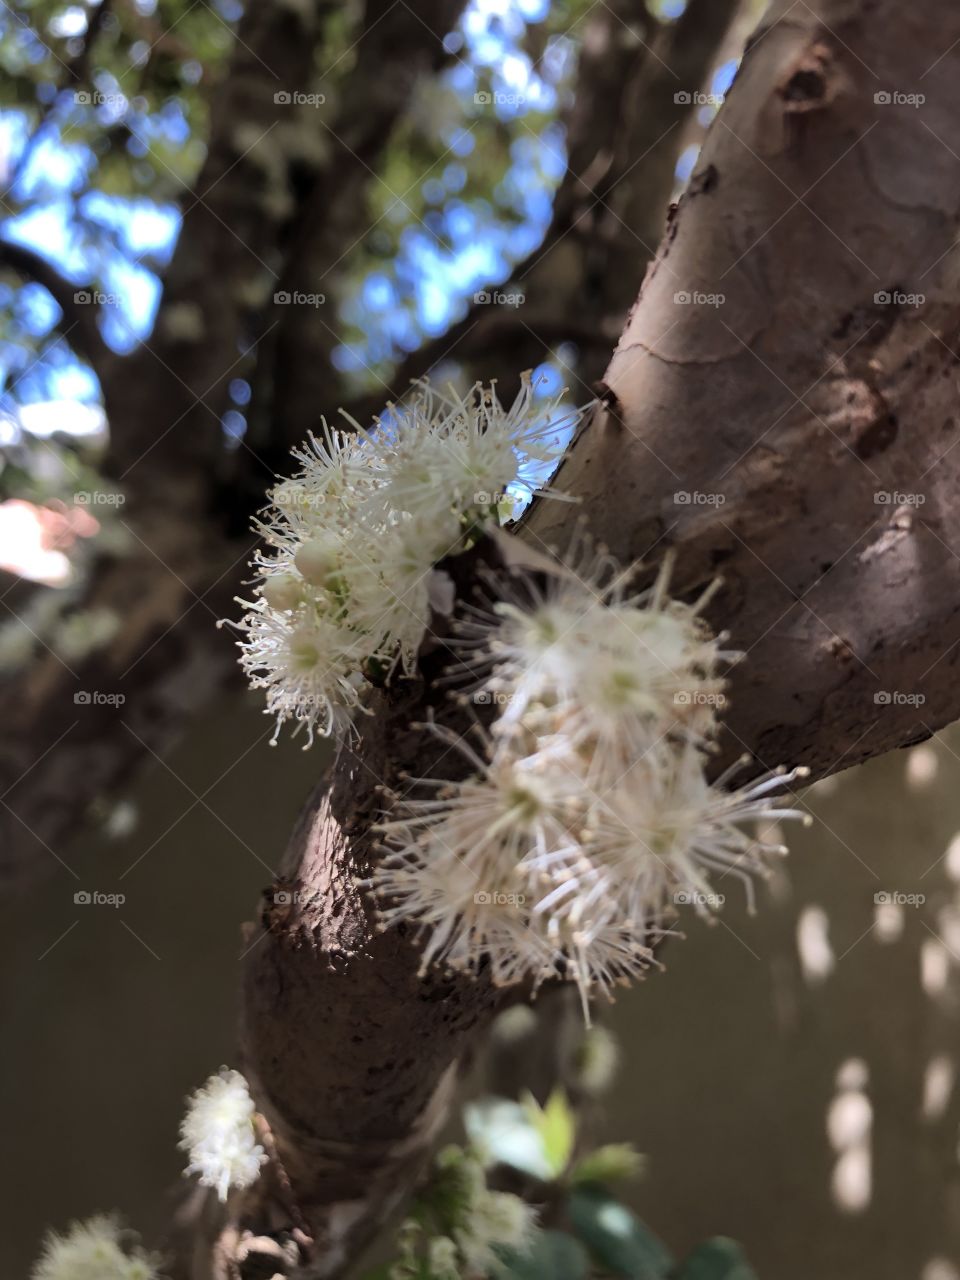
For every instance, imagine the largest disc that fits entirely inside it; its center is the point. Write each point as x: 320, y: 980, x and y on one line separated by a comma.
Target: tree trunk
x: 784, y: 411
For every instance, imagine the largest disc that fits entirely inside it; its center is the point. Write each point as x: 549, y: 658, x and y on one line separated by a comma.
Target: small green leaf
x: 556, y: 1125
x: 616, y: 1162
x: 717, y: 1259
x: 502, y: 1132
x: 552, y: 1254
x: 617, y: 1238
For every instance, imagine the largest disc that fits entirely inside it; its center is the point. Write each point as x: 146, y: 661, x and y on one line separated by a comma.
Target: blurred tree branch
x: 78, y: 305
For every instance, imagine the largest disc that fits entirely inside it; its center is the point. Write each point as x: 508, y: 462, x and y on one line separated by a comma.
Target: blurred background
x: 217, y: 224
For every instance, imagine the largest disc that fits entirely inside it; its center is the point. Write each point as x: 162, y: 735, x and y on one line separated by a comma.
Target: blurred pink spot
x: 34, y: 539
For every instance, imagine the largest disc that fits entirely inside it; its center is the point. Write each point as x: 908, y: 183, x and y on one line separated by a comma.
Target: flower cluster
x: 218, y: 1133
x: 586, y: 814
x: 459, y: 1226
x: 346, y: 579
x: 94, y: 1250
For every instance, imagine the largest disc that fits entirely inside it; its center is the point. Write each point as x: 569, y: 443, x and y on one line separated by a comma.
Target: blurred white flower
x: 495, y: 1220
x: 598, y: 1057
x: 217, y: 1132
x: 460, y: 1226
x: 94, y: 1250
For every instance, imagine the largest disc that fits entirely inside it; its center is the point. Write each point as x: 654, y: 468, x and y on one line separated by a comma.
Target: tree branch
x: 78, y: 305
x: 796, y: 400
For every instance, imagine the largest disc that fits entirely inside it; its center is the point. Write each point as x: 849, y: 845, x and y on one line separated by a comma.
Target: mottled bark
x: 812, y: 425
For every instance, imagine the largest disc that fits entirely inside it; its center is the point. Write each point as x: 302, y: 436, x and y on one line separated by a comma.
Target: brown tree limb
x: 166, y: 403
x: 797, y: 400
x: 812, y: 424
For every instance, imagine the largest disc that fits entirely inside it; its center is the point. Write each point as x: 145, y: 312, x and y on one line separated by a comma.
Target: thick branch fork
x: 765, y: 399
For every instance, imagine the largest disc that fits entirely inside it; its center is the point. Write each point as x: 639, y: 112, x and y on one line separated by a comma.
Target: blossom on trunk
x: 346, y: 577
x: 218, y: 1133
x: 583, y: 817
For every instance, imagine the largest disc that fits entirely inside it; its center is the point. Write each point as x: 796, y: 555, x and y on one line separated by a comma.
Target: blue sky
x: 460, y: 247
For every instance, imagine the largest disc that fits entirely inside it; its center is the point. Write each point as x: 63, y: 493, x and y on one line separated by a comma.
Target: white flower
x: 607, y: 665
x: 669, y: 836
x: 457, y: 862
x: 478, y: 448
x: 495, y: 1220
x: 443, y: 1259
x: 350, y: 543
x: 218, y: 1133
x: 586, y: 816
x: 93, y: 1250
x: 305, y: 664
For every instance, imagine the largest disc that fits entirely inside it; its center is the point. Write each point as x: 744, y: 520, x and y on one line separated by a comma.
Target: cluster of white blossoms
x: 98, y: 1249
x: 218, y: 1133
x: 463, y: 1225
x: 586, y: 814
x: 346, y: 580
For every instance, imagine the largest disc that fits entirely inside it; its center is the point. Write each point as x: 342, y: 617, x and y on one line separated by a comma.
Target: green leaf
x: 616, y: 1162
x: 617, y: 1238
x: 717, y: 1259
x: 501, y: 1131
x: 552, y: 1254
x: 557, y: 1127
